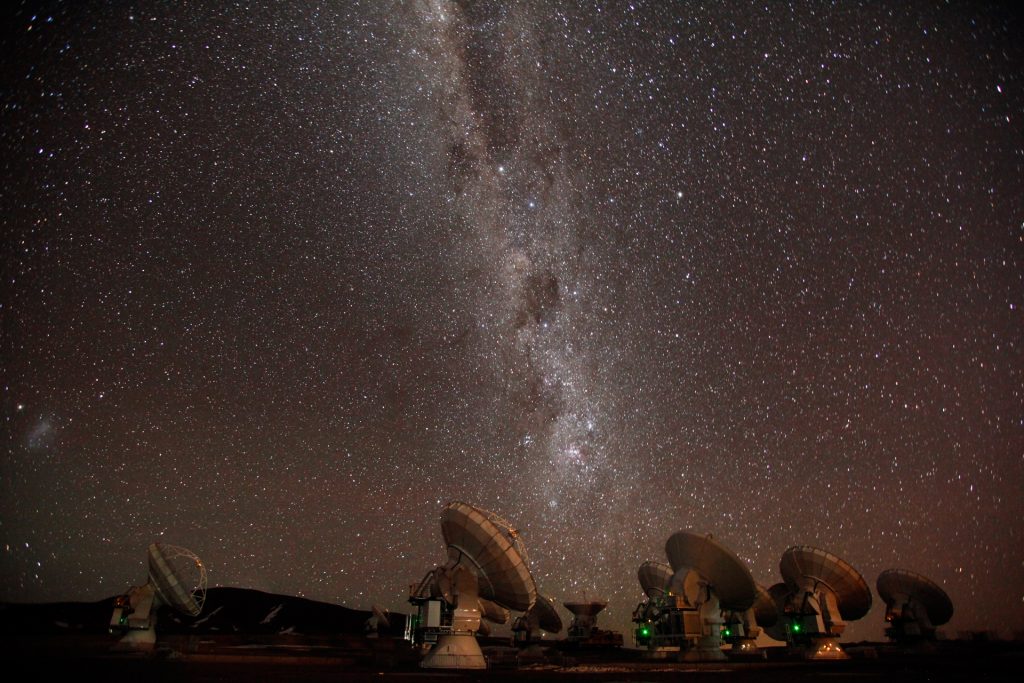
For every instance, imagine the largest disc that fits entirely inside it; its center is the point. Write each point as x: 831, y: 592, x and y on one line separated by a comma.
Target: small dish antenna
x: 541, y: 617
x: 914, y: 605
x: 824, y: 592
x: 654, y: 578
x: 583, y: 631
x: 584, y: 621
x: 177, y: 578
x: 664, y: 592
x: 486, y: 561
x: 379, y: 622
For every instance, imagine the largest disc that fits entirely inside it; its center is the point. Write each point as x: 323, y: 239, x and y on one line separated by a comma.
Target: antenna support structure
x: 486, y: 574
x: 705, y: 597
x: 177, y: 578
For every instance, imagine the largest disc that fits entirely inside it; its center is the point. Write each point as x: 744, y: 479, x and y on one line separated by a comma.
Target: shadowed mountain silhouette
x: 227, y: 611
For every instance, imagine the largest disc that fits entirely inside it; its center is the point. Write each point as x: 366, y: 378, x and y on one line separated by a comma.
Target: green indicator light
x: 796, y: 628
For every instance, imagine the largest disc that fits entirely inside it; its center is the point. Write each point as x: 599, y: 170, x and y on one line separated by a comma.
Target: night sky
x: 280, y: 282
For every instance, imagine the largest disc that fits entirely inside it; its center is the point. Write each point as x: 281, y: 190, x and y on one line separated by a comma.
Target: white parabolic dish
x: 491, y: 549
x: 178, y: 576
x: 895, y: 582
x: 547, y: 615
x: 806, y: 562
x: 654, y: 578
x: 728, y: 576
x: 586, y: 609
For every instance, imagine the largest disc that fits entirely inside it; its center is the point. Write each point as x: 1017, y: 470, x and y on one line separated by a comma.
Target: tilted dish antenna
x: 379, y: 620
x: 493, y: 612
x: 177, y: 578
x: 541, y: 617
x: 666, y: 592
x: 720, y: 571
x: 726, y: 585
x: 779, y: 595
x: 765, y: 612
x: 742, y: 628
x: 914, y: 605
x: 491, y: 547
x: 654, y: 578
x: 486, y: 561
x: 824, y: 593
x: 547, y: 616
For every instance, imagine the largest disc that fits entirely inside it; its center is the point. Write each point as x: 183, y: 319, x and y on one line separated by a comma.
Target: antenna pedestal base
x: 709, y: 645
x: 824, y: 647
x: 707, y: 650
x: 455, y: 651
x: 746, y: 648
x: 137, y: 640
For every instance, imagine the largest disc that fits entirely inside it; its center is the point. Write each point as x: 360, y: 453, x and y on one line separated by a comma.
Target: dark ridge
x: 55, y: 617
x: 242, y: 610
x: 227, y: 611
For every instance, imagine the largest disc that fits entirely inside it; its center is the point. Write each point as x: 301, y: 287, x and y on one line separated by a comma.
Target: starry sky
x: 282, y: 279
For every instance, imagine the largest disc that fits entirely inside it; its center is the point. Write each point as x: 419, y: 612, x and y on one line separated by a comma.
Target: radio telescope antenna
x: 654, y: 578
x: 584, y: 620
x: 779, y: 595
x: 493, y: 612
x: 486, y: 561
x: 541, y: 617
x: 177, y: 578
x: 914, y: 605
x: 765, y: 612
x: 824, y: 592
x: 664, y: 591
x: 743, y: 627
x: 726, y: 585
